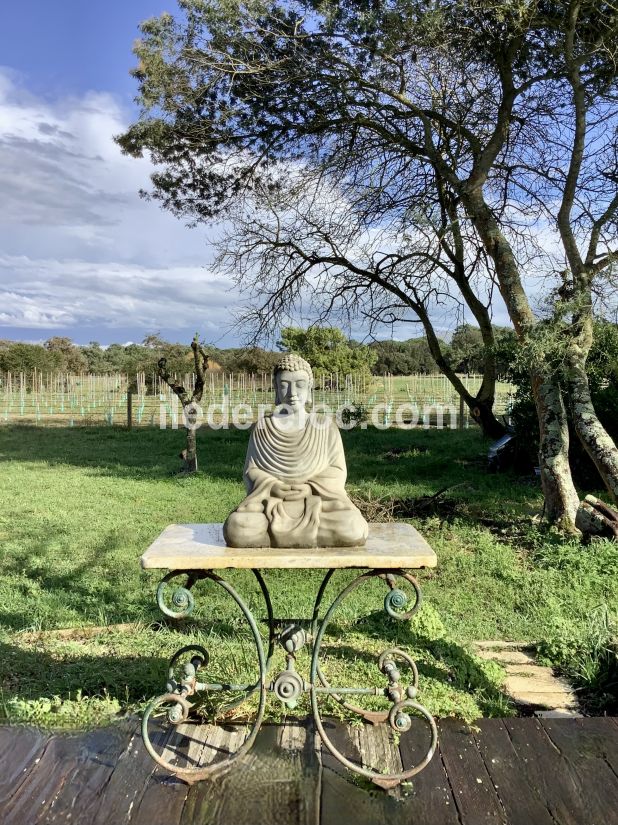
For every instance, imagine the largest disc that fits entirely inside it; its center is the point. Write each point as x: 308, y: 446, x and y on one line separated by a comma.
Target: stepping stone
x: 527, y: 683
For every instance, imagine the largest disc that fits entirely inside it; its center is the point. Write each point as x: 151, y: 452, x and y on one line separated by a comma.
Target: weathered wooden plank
x: 345, y: 742
x: 550, y: 772
x: 128, y: 781
x: 165, y: 795
x: 79, y: 795
x: 473, y: 790
x: 550, y: 775
x: 428, y: 795
x: 269, y: 785
x: 32, y: 801
x: 190, y: 745
x: 379, y: 749
x: 347, y: 797
x: 297, y: 740
x: 589, y: 737
x: 521, y: 801
x: 27, y: 746
x: 594, y: 775
x: 8, y: 735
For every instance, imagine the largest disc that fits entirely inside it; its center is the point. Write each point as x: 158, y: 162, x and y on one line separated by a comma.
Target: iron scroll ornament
x: 398, y: 717
x: 180, y: 706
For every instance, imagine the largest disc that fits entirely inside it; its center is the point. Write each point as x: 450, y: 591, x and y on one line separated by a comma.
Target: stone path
x: 531, y: 686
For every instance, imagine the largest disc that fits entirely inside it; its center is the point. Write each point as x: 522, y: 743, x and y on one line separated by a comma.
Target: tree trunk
x: 561, y: 499
x: 593, y: 435
x: 596, y: 518
x: 189, y: 455
x: 483, y: 414
x: 481, y: 405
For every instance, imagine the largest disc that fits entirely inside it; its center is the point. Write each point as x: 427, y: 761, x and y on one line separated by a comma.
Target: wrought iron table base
x: 288, y: 685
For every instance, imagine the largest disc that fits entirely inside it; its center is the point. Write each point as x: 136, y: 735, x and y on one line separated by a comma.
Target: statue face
x: 292, y: 388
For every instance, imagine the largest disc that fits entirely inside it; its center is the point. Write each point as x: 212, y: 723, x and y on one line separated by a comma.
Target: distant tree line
x: 327, y: 349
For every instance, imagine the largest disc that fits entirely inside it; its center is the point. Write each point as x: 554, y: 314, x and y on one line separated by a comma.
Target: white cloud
x: 80, y: 248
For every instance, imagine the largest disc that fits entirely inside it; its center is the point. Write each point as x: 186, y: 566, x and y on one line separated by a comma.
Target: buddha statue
x: 295, y: 474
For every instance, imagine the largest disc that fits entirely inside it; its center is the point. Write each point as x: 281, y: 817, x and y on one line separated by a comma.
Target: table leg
x: 174, y: 705
x: 404, y: 709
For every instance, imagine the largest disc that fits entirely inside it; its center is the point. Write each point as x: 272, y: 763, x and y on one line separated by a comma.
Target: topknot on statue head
x: 294, y: 363
x: 291, y: 362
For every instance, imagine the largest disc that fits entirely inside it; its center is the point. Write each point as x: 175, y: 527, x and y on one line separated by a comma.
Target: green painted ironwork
x: 288, y: 685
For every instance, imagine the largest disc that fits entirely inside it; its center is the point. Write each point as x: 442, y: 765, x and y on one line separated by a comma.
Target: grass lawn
x: 80, y: 505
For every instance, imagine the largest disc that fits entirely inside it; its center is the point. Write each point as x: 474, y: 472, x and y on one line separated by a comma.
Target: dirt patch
x: 74, y: 634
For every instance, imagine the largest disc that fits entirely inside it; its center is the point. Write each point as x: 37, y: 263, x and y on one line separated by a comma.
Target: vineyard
x: 71, y: 400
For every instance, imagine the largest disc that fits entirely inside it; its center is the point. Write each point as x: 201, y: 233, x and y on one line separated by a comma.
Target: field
x: 102, y: 399
x: 81, y: 504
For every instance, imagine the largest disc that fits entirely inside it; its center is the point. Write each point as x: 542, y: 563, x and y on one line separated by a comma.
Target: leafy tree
x: 467, y: 349
x: 327, y: 350
x: 501, y: 102
x: 96, y: 361
x: 253, y: 360
x: 467, y: 352
x: 20, y: 357
x: 72, y: 358
x: 154, y: 341
x: 405, y: 357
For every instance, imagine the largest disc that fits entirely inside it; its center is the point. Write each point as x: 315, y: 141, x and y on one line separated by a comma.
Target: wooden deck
x: 517, y: 771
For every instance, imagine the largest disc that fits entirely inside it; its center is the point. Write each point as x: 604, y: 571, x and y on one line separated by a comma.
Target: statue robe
x: 318, y: 512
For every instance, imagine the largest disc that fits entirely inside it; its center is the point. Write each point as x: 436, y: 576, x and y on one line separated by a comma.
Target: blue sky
x: 80, y: 253
x: 74, y: 46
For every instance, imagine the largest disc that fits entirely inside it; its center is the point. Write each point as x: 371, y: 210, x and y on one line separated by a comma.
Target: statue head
x: 293, y: 380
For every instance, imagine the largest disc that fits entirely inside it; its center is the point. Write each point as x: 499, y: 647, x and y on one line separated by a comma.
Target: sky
x: 81, y: 254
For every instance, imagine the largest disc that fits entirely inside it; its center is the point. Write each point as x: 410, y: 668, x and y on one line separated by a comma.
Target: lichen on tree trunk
x: 561, y: 498
x: 592, y: 434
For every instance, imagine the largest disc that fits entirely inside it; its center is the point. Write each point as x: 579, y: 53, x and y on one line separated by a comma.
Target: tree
x: 189, y: 401
x: 20, y: 357
x: 154, y: 341
x: 467, y: 349
x: 327, y: 350
x: 508, y: 105
x: 308, y: 244
x: 249, y: 359
x: 405, y: 357
x: 72, y: 358
x: 95, y: 355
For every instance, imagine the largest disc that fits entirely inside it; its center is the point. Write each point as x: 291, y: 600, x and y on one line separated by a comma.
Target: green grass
x: 80, y: 505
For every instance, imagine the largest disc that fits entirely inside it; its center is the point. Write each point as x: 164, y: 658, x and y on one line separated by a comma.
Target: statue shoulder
x: 327, y: 423
x: 264, y: 422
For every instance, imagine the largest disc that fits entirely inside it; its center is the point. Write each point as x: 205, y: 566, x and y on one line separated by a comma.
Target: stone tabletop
x: 202, y: 547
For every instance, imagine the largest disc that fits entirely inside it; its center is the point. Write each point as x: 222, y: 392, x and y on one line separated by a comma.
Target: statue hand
x: 280, y: 490
x: 299, y: 490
